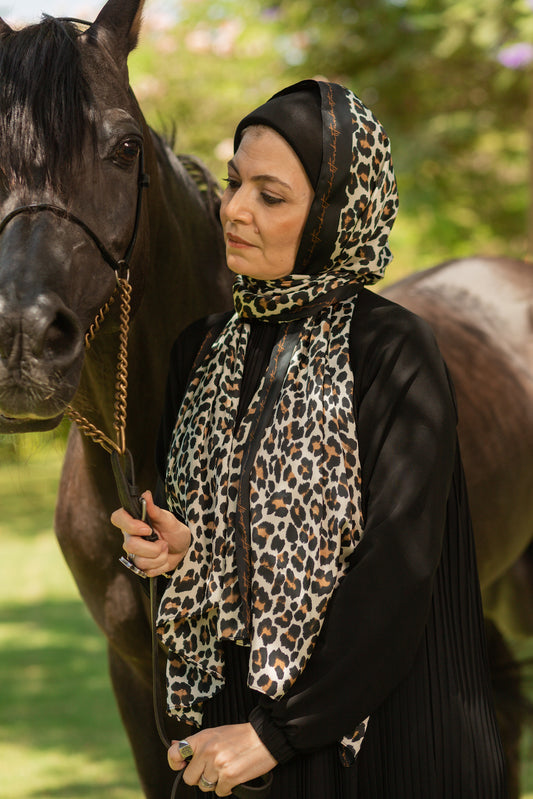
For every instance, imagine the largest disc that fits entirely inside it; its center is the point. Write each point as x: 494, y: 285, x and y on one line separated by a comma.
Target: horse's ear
x: 122, y: 20
x: 4, y: 27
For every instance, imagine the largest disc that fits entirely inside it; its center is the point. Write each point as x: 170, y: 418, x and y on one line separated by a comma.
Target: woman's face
x: 265, y: 205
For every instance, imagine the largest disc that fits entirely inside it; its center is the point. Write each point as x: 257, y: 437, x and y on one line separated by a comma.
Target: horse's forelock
x: 45, y: 103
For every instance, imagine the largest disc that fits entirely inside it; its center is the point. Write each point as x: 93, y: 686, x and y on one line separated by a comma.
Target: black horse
x: 74, y: 152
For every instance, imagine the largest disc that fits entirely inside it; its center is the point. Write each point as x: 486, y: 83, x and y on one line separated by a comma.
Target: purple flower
x: 273, y: 13
x: 516, y: 56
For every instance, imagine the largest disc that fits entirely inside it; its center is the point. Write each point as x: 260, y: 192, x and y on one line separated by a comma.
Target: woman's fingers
x: 153, y: 567
x: 143, y: 548
x: 153, y: 557
x: 175, y: 760
x: 150, y: 556
x: 121, y: 518
x: 154, y: 512
x: 229, y: 755
x: 196, y: 765
x: 207, y: 784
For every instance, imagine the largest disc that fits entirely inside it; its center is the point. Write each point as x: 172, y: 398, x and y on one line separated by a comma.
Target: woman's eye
x: 231, y: 183
x: 269, y: 199
x: 126, y: 153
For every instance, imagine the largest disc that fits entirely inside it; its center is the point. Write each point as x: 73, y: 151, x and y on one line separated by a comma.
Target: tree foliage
x: 459, y: 119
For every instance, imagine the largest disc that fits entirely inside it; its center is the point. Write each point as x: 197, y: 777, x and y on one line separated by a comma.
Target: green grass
x: 60, y: 734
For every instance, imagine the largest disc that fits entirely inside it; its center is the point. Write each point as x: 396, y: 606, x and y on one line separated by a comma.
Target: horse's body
x: 184, y: 280
x: 53, y: 281
x: 481, y: 310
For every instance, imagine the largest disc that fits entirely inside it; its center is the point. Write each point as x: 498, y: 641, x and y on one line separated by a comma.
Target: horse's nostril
x: 43, y: 331
x: 61, y: 337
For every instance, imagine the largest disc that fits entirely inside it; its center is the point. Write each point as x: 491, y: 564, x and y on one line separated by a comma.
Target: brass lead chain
x: 100, y: 316
x: 121, y: 385
x: 91, y: 431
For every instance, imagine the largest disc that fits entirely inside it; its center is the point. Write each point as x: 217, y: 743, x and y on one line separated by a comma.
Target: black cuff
x: 271, y: 735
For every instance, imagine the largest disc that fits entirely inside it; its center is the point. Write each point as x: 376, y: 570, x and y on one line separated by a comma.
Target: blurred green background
x: 452, y: 83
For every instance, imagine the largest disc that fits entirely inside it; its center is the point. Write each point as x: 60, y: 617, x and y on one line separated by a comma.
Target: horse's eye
x: 127, y: 153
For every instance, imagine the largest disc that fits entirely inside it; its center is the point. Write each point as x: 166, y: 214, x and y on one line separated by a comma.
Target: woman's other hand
x: 227, y: 756
x: 153, y: 557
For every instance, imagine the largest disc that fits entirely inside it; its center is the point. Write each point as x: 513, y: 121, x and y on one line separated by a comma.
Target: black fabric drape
x: 403, y: 640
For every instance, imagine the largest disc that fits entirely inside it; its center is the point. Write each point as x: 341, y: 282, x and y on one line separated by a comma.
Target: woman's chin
x: 240, y: 266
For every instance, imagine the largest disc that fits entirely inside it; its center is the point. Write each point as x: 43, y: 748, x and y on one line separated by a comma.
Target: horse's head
x: 71, y: 143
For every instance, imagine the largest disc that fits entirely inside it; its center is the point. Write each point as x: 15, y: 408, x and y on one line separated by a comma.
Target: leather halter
x: 119, y: 266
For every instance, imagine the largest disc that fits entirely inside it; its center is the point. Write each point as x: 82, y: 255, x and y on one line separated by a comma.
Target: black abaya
x: 403, y: 640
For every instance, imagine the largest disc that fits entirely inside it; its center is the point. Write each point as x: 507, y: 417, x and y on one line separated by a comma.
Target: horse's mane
x: 45, y: 103
x: 205, y: 182
x: 202, y: 179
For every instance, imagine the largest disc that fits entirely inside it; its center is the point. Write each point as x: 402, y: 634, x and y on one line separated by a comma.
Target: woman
x: 323, y: 618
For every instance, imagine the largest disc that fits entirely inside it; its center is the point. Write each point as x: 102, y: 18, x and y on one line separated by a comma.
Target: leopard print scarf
x: 274, y: 504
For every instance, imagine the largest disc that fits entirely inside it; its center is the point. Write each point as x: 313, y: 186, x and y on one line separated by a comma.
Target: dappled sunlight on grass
x: 36, y: 566
x: 64, y: 775
x: 60, y: 734
x: 28, y: 505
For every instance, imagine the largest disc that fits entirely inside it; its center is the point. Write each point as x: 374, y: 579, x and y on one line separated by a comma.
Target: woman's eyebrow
x: 261, y: 178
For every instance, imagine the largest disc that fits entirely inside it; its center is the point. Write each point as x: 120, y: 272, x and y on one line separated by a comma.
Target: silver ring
x: 206, y: 784
x: 185, y: 749
x: 131, y: 556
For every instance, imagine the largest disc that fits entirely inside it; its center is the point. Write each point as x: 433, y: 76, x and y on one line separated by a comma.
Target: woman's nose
x: 237, y: 207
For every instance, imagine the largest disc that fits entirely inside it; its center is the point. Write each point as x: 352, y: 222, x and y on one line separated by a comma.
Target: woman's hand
x: 153, y: 557
x: 226, y: 756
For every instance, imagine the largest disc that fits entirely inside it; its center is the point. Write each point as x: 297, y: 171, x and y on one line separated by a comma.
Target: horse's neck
x: 184, y: 281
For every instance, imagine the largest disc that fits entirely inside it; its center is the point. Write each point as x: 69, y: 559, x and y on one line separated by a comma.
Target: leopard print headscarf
x: 274, y: 505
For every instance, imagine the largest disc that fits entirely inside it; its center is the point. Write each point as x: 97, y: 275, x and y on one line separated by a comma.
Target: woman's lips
x: 236, y: 241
